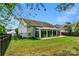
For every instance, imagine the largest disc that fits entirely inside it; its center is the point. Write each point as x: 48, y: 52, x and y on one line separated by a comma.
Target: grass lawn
x: 50, y: 47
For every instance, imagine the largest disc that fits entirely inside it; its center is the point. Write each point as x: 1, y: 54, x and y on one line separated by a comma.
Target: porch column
x: 52, y: 33
x: 39, y: 33
x: 60, y: 33
x: 46, y: 33
x: 34, y: 33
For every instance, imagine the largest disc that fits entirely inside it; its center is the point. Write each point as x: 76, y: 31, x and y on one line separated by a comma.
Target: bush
x: 2, y: 30
x: 16, y: 30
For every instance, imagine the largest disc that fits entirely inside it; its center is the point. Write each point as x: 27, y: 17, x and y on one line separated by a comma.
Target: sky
x: 50, y: 15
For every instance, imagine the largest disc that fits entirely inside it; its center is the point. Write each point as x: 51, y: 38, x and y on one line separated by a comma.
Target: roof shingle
x: 37, y: 23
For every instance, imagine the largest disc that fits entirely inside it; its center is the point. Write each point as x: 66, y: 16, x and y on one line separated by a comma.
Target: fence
x: 70, y: 34
x: 4, y: 42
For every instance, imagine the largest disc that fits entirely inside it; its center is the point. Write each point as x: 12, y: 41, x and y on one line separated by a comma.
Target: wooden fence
x: 4, y: 42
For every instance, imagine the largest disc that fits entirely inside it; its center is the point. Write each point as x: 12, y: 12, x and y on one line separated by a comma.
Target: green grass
x: 54, y: 46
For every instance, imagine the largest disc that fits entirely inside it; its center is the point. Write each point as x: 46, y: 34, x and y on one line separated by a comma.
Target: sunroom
x: 44, y: 32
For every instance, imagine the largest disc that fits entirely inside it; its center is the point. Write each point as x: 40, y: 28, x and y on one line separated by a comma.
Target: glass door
x: 37, y: 34
x: 43, y: 33
x: 49, y: 33
x: 54, y: 32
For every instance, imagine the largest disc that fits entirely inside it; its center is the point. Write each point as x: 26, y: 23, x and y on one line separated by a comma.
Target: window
x: 49, y: 33
x: 29, y: 34
x: 43, y: 33
x: 36, y: 33
x: 54, y: 32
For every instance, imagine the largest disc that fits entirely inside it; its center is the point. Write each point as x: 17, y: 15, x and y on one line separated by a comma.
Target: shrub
x: 2, y: 30
x: 16, y: 30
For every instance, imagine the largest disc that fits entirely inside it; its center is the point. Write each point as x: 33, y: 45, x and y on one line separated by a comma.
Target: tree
x: 16, y: 30
x: 77, y: 27
x: 64, y: 6
x: 68, y: 27
x: 2, y: 30
x: 7, y: 10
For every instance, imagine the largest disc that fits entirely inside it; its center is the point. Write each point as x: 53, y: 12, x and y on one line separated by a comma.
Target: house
x: 11, y: 31
x: 37, y: 29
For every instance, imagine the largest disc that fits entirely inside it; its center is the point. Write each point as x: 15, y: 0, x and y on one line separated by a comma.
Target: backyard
x: 55, y: 46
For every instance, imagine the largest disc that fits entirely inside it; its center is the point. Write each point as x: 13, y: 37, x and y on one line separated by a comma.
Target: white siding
x: 22, y: 30
x: 30, y: 31
x: 25, y: 31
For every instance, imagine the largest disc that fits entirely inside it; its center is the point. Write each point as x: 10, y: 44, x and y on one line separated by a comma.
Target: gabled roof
x: 37, y: 23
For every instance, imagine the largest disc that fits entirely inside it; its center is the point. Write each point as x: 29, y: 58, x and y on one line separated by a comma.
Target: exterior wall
x: 30, y: 31
x: 22, y: 30
x: 25, y: 31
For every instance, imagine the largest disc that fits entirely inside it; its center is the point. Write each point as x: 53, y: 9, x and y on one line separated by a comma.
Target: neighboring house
x: 37, y: 29
x: 11, y: 31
